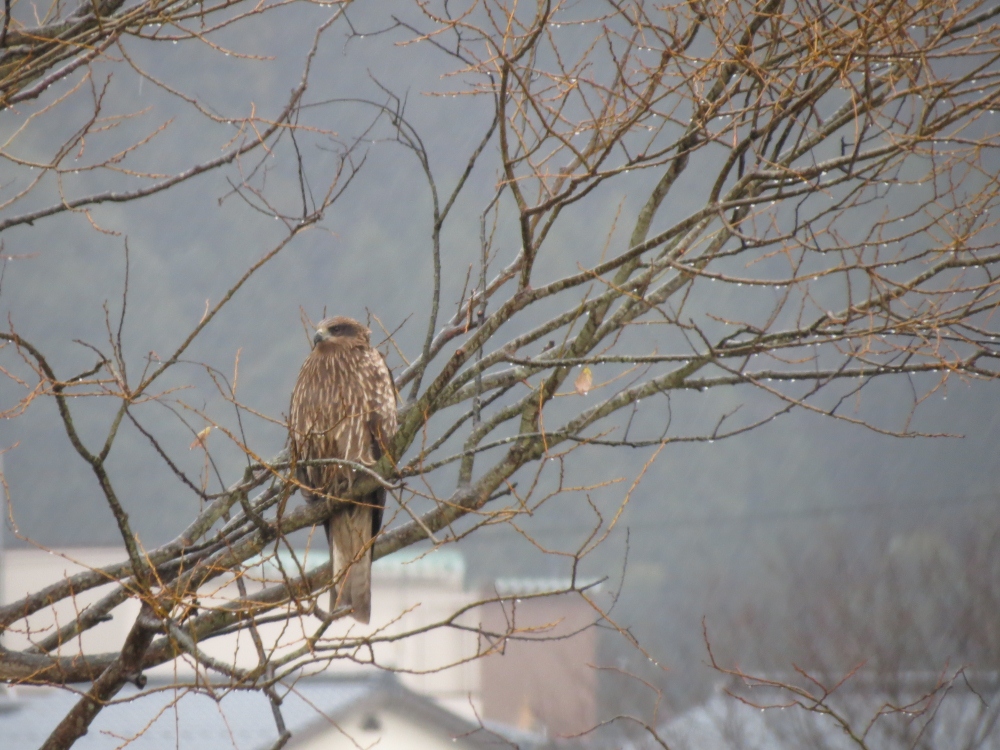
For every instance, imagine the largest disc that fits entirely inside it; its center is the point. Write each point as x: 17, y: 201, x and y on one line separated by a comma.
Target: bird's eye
x: 341, y: 329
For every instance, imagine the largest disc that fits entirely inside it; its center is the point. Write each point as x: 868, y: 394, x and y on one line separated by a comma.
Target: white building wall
x: 407, y: 593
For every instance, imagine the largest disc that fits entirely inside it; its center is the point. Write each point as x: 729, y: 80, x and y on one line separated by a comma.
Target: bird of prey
x: 344, y: 407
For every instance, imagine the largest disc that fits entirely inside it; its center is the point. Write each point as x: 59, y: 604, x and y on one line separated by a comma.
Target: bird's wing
x: 317, y: 423
x: 381, y: 422
x: 382, y: 403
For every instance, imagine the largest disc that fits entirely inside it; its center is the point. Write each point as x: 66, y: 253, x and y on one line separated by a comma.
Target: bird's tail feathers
x: 350, y: 551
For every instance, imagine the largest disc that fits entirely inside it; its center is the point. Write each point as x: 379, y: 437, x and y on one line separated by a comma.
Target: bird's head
x: 341, y: 330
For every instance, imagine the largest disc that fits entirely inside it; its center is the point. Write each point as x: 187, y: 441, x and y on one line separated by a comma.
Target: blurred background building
x: 538, y: 685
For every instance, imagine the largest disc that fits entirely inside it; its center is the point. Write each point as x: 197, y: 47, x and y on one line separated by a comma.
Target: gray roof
x: 910, y: 711
x: 173, y: 719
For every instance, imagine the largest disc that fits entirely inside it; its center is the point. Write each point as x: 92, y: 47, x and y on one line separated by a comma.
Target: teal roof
x: 406, y: 563
x: 416, y: 563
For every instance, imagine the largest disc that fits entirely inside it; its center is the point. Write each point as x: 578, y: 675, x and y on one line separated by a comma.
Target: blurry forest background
x: 797, y: 531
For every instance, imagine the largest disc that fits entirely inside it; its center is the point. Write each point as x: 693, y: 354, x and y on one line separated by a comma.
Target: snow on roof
x: 525, y: 586
x: 168, y: 719
x: 954, y: 715
x: 240, y: 719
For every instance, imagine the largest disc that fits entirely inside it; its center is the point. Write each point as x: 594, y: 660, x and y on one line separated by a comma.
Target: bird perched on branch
x: 343, y: 407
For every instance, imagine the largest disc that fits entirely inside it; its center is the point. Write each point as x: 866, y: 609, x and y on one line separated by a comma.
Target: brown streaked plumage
x: 344, y: 406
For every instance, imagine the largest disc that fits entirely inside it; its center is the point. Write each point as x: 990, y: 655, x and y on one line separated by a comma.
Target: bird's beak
x: 317, y: 337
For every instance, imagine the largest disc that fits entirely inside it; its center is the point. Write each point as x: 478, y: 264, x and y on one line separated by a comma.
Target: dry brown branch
x: 804, y: 198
